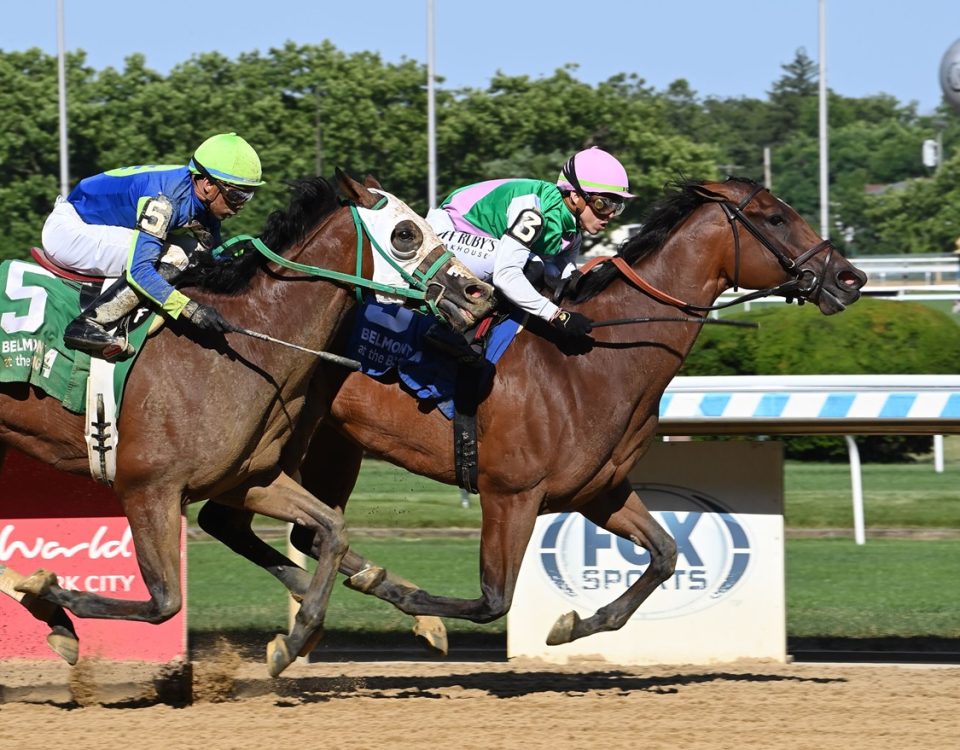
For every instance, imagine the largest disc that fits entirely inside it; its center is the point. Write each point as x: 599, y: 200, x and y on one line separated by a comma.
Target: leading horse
x: 210, y: 418
x: 561, y: 427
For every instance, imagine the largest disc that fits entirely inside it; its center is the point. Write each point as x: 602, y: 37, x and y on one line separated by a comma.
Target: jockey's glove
x: 572, y: 324
x: 207, y: 318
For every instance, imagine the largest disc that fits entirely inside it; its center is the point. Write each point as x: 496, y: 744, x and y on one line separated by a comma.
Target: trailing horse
x: 561, y: 429
x: 209, y: 416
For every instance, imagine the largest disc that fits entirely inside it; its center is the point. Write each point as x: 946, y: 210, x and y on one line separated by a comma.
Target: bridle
x: 803, y: 284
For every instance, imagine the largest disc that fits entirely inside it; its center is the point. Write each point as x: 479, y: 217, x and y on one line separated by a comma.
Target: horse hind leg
x: 621, y: 512
x: 62, y: 637
x: 232, y: 526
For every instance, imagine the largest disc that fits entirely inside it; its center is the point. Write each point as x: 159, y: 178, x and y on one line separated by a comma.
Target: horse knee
x: 166, y: 607
x: 495, y: 608
x: 663, y: 557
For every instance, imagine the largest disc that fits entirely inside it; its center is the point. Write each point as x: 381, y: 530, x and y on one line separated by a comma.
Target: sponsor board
x: 722, y: 503
x: 75, y: 527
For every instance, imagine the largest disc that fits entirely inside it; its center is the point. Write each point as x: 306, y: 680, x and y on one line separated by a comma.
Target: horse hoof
x: 38, y: 583
x: 562, y: 630
x: 278, y: 656
x: 64, y: 644
x: 367, y: 579
x: 431, y: 633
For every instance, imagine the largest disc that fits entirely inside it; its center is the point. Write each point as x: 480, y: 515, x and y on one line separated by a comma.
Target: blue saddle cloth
x: 389, y: 338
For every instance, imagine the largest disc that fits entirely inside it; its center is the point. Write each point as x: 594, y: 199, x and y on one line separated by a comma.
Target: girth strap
x: 466, y: 397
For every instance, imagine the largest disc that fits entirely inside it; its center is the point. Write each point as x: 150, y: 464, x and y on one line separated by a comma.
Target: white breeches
x: 91, y: 249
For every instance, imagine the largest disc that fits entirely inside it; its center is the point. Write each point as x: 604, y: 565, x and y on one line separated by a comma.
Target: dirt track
x: 525, y: 705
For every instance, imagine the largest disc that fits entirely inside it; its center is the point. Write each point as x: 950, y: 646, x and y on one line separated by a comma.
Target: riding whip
x: 336, y: 359
x: 707, y: 321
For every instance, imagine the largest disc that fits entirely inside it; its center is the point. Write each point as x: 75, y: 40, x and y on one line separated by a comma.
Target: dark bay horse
x: 560, y: 429
x: 210, y: 418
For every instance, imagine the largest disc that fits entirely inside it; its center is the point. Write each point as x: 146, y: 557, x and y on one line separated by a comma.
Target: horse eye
x: 406, y: 239
x: 777, y: 220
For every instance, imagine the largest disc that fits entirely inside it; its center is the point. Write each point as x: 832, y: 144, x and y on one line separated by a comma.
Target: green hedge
x: 872, y: 337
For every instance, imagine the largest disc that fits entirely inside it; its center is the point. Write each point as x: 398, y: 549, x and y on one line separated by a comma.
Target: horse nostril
x: 848, y: 278
x: 476, y: 292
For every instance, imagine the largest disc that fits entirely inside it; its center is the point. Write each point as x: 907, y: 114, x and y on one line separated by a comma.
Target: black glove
x: 207, y: 318
x: 573, y: 324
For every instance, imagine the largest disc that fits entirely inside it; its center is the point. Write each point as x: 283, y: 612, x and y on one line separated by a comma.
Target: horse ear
x: 707, y: 194
x: 354, y: 191
x: 372, y: 182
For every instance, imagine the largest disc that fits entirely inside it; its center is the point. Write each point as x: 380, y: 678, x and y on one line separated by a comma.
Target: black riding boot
x: 88, y: 331
x: 444, y: 339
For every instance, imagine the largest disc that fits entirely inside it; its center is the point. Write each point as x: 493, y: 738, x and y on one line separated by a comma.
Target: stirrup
x: 86, y: 335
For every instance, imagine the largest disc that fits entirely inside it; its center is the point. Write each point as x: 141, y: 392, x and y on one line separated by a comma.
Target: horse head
x: 407, y: 252
x: 770, y: 246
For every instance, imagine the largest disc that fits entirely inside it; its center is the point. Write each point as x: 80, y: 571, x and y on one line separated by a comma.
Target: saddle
x: 90, y: 288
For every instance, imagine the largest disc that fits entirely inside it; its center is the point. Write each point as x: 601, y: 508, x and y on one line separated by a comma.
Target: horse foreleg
x: 62, y: 637
x: 368, y: 578
x: 286, y: 500
x: 154, y: 518
x: 507, y: 525
x: 621, y: 512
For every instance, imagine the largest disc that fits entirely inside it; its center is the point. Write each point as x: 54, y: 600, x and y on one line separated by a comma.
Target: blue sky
x: 723, y: 49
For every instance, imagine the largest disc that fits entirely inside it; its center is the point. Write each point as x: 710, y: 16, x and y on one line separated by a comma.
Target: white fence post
x: 856, y: 483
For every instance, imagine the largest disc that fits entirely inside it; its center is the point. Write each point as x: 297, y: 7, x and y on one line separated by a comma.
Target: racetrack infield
x: 494, y: 704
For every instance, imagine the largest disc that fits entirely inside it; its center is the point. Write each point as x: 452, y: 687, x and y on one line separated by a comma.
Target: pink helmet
x: 593, y: 170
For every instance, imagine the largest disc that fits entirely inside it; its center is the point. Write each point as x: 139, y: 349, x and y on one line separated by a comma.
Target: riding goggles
x: 234, y: 197
x: 604, y: 206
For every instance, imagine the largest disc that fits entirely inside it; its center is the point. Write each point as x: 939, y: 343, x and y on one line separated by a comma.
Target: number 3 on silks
x: 155, y: 216
x: 527, y: 227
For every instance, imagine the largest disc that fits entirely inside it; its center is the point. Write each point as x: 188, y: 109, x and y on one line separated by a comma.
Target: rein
x: 418, y: 282
x: 734, y: 213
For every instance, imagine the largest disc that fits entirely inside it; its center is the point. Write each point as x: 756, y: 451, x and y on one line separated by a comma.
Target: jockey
x: 119, y: 223
x: 508, y: 231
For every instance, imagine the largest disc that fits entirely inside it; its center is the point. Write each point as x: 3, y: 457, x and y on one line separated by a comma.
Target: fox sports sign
x: 950, y: 75
x: 590, y: 567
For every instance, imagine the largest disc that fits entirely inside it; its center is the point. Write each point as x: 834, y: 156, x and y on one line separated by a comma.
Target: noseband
x: 805, y: 282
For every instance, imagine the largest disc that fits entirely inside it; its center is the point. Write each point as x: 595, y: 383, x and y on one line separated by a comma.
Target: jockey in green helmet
x: 122, y: 222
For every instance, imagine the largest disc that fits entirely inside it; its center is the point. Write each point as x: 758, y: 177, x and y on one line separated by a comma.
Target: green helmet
x: 228, y: 158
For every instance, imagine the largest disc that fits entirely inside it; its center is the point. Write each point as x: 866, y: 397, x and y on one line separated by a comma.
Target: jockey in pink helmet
x: 508, y: 230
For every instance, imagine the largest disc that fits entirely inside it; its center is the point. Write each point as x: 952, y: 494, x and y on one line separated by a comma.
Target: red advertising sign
x: 75, y: 527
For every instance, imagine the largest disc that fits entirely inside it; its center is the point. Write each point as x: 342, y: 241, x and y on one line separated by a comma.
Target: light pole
x: 824, y: 168
x: 431, y: 116
x: 62, y: 104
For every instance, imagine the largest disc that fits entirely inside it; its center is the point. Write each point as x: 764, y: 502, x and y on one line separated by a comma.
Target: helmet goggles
x: 234, y: 197
x: 604, y: 206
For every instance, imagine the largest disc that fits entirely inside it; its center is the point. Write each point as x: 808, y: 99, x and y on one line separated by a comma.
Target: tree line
x: 310, y: 108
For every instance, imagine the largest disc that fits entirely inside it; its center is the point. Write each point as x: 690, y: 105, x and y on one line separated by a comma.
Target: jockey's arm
x: 155, y: 221
x: 510, y: 258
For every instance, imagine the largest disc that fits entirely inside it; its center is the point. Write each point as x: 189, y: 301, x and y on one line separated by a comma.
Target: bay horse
x: 561, y: 427
x: 209, y: 416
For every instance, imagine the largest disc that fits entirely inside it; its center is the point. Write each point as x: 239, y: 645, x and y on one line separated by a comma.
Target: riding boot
x: 88, y: 331
x: 444, y: 339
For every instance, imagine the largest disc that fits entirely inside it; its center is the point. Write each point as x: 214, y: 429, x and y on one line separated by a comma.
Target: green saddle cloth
x: 35, y: 307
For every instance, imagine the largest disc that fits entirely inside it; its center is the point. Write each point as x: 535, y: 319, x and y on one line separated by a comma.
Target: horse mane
x: 312, y: 200
x: 680, y: 198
